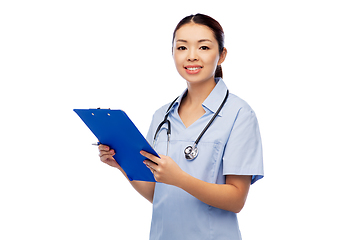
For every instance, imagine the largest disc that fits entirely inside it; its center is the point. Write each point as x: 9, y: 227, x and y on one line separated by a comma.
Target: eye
x: 181, y: 48
x: 204, y: 48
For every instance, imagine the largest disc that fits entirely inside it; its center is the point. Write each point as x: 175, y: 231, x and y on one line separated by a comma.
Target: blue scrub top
x: 231, y: 146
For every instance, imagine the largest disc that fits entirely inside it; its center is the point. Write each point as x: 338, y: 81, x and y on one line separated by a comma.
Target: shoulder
x: 160, y: 113
x: 157, y: 118
x: 237, y: 104
x: 162, y: 110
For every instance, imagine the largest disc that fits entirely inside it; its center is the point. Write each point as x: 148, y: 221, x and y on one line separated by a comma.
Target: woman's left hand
x: 166, y: 170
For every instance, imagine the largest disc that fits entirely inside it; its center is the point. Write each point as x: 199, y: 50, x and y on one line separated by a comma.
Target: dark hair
x: 213, y: 25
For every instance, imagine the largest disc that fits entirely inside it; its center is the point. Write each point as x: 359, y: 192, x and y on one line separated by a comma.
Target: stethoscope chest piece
x: 191, y: 152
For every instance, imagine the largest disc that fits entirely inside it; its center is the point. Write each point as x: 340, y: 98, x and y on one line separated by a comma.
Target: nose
x: 192, y: 56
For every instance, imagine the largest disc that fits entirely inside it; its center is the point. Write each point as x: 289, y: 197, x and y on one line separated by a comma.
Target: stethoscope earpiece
x: 191, y: 152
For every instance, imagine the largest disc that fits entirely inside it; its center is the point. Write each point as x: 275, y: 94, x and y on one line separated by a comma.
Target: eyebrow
x: 201, y: 40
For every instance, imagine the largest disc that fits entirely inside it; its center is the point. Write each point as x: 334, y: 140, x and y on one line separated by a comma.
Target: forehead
x: 193, y: 32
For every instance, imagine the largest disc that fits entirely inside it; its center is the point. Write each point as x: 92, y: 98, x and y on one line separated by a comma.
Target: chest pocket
x: 205, y: 166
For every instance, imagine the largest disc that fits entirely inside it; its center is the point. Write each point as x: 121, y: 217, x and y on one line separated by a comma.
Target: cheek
x: 211, y: 59
x: 178, y: 60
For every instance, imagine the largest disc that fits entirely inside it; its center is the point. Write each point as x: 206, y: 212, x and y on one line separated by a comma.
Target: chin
x: 199, y: 80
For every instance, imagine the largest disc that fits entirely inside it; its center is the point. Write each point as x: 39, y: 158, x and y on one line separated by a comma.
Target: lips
x: 193, y: 69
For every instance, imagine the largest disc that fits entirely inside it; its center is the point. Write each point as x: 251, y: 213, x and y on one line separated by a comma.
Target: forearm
x: 230, y: 196
x: 146, y: 189
x: 224, y: 196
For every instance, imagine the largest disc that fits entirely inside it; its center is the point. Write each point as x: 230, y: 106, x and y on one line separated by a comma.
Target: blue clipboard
x: 115, y: 129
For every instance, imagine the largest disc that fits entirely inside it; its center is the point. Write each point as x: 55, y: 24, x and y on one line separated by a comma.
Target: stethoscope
x: 191, y: 152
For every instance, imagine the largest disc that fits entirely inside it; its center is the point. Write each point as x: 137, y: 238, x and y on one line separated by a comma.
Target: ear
x: 222, y: 56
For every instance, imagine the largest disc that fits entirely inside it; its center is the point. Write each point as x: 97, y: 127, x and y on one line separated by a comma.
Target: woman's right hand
x: 107, y: 156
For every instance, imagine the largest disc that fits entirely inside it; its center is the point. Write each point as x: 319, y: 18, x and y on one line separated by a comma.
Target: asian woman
x: 198, y: 197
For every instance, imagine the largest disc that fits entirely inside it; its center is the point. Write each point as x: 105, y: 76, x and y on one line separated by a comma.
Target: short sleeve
x: 151, y: 132
x: 243, y: 150
x: 156, y: 120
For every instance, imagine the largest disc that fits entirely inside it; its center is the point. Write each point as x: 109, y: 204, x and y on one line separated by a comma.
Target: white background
x: 295, y: 62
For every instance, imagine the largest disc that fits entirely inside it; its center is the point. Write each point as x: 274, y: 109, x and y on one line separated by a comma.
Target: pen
x: 96, y: 144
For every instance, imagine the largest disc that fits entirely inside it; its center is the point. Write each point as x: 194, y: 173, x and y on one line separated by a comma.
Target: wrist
x: 183, y: 179
x: 121, y: 170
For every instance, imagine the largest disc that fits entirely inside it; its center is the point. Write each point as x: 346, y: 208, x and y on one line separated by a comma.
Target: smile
x: 193, y: 69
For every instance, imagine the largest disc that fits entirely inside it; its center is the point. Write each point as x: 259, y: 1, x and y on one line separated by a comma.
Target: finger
x: 106, y: 158
x: 150, y: 156
x: 103, y: 152
x: 151, y: 164
x: 110, y: 153
x: 104, y: 147
x: 151, y: 169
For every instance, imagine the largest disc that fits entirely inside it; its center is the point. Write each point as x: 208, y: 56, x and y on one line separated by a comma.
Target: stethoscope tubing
x: 212, y: 119
x: 194, y: 147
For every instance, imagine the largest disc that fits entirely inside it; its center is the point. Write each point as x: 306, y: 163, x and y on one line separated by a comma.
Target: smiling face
x: 196, y: 53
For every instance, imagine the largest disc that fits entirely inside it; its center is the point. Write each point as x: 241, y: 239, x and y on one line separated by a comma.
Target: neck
x: 198, y: 92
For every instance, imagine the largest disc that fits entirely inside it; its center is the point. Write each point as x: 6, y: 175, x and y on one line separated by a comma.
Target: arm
x: 230, y: 196
x: 146, y: 189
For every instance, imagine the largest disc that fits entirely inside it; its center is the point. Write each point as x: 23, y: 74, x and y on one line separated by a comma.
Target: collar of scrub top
x: 211, y: 104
